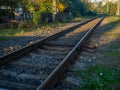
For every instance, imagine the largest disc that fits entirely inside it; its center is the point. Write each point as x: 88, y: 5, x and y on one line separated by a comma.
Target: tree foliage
x: 110, y: 8
x: 39, y: 8
x: 10, y: 3
x: 61, y: 7
x: 76, y: 7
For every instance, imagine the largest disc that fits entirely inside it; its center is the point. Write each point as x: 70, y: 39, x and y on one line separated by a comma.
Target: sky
x: 97, y: 0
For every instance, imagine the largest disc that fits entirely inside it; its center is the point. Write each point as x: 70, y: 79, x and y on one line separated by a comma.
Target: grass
x: 113, y: 36
x: 99, y: 78
x: 82, y: 18
x: 7, y: 33
x: 3, y: 38
x: 112, y: 19
x: 113, y: 50
x: 105, y: 75
x: 113, y: 53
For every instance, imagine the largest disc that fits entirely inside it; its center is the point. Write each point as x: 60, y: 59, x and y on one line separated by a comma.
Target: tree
x: 111, y: 9
x: 76, y: 7
x: 8, y: 12
x: 10, y: 3
x: 38, y: 8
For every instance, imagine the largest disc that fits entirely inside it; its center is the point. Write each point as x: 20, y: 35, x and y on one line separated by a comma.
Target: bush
x: 90, y: 13
x: 60, y: 17
x: 21, y: 24
x: 25, y: 24
x: 5, y: 15
x: 42, y: 17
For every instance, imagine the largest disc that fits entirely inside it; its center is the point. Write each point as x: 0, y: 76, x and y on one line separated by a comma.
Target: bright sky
x: 96, y: 0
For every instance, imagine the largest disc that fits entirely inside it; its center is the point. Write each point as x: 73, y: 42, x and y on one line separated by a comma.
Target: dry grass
x: 105, y: 72
x: 6, y: 33
x: 111, y: 28
x: 109, y: 51
x: 24, y: 29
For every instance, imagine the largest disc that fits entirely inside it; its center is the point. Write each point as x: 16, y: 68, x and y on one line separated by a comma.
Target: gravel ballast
x: 17, y: 42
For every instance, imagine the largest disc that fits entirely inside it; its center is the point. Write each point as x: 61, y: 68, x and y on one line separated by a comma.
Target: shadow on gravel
x: 108, y: 27
x: 109, y: 52
x: 18, y: 42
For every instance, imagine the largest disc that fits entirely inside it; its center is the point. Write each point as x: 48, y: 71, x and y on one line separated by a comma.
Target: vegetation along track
x: 40, y: 65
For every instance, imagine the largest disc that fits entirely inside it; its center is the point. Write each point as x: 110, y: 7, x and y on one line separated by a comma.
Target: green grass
x: 113, y: 34
x: 113, y: 50
x: 113, y: 18
x: 106, y: 74
x: 99, y: 78
x: 3, y: 38
x: 10, y: 32
x: 7, y: 33
x: 113, y: 53
x: 82, y: 18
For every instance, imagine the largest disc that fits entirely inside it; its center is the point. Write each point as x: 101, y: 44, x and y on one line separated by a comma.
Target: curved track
x: 41, y: 65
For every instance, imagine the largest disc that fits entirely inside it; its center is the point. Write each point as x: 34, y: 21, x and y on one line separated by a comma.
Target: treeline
x: 109, y: 8
x: 42, y: 10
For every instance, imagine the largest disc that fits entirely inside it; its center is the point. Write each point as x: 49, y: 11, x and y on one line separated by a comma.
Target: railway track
x: 41, y: 65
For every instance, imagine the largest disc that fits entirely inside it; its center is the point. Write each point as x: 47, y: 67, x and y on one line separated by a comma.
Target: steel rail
x: 18, y: 53
x: 54, y: 77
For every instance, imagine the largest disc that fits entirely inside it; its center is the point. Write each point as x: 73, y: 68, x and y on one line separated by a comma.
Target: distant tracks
x: 41, y: 64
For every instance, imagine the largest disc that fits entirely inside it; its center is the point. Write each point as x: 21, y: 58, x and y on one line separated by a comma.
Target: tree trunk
x: 54, y: 11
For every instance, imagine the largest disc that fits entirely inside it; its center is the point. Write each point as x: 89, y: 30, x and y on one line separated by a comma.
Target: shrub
x: 42, y: 17
x: 5, y: 15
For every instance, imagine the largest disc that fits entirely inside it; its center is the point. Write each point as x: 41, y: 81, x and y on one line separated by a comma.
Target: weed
x: 106, y: 74
x: 3, y: 38
x: 98, y: 78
